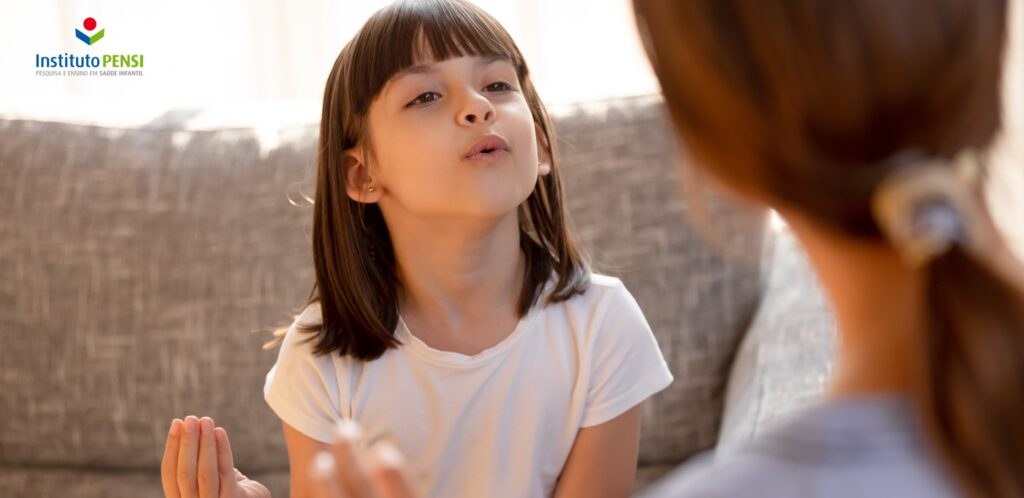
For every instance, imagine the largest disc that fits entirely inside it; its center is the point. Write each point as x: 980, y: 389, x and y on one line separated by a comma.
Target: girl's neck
x: 879, y: 306
x: 456, y: 274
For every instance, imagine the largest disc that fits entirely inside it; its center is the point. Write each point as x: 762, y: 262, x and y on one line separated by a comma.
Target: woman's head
x: 410, y: 98
x: 800, y: 103
x: 811, y: 107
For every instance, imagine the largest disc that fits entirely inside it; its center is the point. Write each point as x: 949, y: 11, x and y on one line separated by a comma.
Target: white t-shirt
x: 495, y: 424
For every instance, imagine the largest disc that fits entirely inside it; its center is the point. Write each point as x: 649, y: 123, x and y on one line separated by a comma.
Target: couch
x: 145, y: 259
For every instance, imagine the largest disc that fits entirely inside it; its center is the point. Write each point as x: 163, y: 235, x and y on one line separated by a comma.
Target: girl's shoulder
x: 603, y: 291
x: 598, y: 287
x: 606, y: 301
x: 310, y: 315
x: 300, y: 335
x: 605, y: 281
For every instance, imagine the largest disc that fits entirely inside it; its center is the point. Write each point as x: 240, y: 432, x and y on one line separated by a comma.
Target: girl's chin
x: 494, y: 208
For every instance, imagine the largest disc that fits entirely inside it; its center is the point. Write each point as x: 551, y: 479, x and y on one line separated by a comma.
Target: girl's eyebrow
x: 430, y: 68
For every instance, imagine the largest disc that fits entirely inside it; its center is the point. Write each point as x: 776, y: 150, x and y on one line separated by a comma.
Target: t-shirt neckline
x: 452, y: 358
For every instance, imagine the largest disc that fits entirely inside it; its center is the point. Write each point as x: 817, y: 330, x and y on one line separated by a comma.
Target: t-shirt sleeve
x: 627, y: 366
x: 301, y: 388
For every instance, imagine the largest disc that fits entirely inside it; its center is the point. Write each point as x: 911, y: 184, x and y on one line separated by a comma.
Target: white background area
x: 202, y: 52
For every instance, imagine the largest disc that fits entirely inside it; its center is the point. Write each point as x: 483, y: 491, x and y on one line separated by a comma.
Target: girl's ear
x: 359, y: 185
x: 543, y: 152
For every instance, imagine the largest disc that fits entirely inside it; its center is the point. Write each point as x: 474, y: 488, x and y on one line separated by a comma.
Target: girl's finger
x: 351, y: 471
x: 232, y: 482
x: 387, y: 472
x: 169, y: 463
x: 188, y: 454
x: 209, y: 484
x: 225, y: 463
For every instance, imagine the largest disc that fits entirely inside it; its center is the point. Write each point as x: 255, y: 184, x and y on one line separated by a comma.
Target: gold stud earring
x: 370, y: 189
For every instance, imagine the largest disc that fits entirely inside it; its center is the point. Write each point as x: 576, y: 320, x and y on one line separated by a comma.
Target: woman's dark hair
x: 356, y: 281
x: 800, y: 102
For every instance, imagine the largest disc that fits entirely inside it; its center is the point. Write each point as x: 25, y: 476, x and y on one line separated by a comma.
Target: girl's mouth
x: 487, y: 155
x: 488, y: 148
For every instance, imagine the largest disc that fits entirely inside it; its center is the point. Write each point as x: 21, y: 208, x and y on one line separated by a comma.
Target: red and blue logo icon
x: 89, y: 24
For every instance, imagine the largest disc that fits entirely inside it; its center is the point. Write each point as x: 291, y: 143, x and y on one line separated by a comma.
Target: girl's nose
x: 476, y: 109
x: 472, y: 118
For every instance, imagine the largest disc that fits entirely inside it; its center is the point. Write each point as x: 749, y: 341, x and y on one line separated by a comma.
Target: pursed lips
x: 488, y: 148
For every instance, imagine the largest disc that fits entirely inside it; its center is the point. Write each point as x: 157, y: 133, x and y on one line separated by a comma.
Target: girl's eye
x: 499, y: 86
x: 424, y: 98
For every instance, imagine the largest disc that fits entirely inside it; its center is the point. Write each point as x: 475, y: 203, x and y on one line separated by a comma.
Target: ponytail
x: 970, y: 388
x: 971, y: 393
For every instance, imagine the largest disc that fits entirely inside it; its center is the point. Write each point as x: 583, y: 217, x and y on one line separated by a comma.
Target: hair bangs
x: 412, y: 32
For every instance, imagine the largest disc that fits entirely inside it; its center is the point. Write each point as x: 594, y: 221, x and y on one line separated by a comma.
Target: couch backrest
x: 142, y: 268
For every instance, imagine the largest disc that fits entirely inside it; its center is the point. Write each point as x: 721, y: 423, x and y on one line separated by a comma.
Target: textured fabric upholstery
x: 787, y: 354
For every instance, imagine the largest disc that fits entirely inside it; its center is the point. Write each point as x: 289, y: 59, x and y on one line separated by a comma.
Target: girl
x: 453, y: 316
x: 863, y: 123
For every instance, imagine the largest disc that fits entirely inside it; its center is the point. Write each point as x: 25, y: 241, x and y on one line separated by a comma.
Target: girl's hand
x: 198, y: 463
x: 349, y: 470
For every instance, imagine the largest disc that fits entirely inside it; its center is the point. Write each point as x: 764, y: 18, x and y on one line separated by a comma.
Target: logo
x: 89, y: 24
x: 94, y: 64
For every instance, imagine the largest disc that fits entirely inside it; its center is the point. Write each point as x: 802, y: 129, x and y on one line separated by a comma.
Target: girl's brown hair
x: 800, y: 102
x: 356, y: 281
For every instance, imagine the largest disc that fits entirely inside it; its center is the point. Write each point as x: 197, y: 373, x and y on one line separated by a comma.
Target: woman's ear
x: 543, y: 152
x: 359, y: 185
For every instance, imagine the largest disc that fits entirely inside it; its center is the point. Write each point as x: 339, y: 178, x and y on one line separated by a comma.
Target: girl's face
x: 426, y: 129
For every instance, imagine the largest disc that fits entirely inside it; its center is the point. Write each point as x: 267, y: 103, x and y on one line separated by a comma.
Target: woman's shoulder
x: 703, y: 477
x: 833, y: 449
x: 749, y: 471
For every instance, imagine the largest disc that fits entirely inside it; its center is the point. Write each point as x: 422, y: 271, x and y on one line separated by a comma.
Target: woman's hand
x: 198, y: 463
x: 350, y: 470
